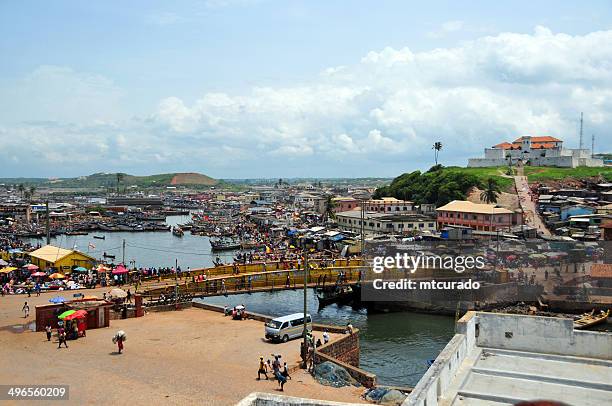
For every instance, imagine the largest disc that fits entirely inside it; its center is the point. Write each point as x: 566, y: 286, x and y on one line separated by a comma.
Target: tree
x: 329, y: 208
x: 120, y: 176
x: 21, y: 189
x: 31, y: 192
x: 491, y: 191
x: 437, y: 146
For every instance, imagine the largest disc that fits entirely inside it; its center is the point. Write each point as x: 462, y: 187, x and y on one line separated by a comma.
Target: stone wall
x: 345, y: 349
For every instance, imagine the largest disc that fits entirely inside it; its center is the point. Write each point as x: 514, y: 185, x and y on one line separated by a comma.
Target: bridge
x: 251, y: 278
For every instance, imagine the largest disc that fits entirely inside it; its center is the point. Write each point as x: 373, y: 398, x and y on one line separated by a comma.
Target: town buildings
x: 483, y: 217
x: 535, y: 151
x: 385, y: 222
x: 60, y: 259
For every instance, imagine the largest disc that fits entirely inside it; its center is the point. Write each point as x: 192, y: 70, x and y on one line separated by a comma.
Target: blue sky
x: 248, y: 88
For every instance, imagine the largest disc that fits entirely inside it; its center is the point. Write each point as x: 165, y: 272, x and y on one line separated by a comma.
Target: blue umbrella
x: 80, y: 269
x: 57, y: 299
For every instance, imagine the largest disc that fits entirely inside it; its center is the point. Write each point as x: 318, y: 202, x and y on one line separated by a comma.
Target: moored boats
x: 591, y: 319
x: 178, y: 232
x: 224, y: 244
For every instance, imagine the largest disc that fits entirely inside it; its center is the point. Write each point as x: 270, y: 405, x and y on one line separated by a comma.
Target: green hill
x: 109, y: 180
x: 544, y: 173
x: 441, y: 185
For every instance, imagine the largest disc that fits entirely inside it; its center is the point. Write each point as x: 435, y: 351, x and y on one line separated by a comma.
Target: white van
x: 287, y: 327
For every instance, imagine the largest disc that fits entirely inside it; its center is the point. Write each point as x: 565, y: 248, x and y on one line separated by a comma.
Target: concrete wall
x: 548, y: 335
x: 269, y: 399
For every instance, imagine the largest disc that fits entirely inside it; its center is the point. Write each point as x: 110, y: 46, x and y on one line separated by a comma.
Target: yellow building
x: 61, y: 259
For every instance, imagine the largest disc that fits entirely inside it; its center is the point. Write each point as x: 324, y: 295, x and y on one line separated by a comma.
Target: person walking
x: 26, y: 310
x: 48, y: 331
x: 129, y: 296
x: 61, y: 335
x: 263, y: 369
x: 286, y: 371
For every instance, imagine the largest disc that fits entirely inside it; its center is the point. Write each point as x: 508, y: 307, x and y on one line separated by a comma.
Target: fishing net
x: 385, y: 396
x: 330, y: 374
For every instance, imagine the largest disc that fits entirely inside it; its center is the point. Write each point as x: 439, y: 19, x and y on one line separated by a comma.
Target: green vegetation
x: 118, y: 181
x: 441, y: 185
x: 542, y: 173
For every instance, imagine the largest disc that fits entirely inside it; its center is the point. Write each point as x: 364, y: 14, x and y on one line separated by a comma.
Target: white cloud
x: 446, y: 28
x: 389, y: 108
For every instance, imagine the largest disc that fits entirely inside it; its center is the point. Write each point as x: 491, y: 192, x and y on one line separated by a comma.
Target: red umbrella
x: 31, y: 267
x: 39, y: 274
x: 79, y: 314
x: 120, y: 270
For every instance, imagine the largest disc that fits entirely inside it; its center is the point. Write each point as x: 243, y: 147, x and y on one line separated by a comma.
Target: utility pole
x: 123, y: 256
x: 305, y: 331
x: 581, y: 121
x: 176, y: 284
x: 592, y: 145
x: 48, y: 232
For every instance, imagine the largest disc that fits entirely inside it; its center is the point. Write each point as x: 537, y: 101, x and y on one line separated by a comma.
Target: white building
x: 385, y: 223
x: 535, y: 151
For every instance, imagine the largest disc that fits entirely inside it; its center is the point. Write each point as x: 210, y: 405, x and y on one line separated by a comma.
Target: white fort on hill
x: 535, y: 151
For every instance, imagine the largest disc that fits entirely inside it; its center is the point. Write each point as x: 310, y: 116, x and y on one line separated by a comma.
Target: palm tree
x: 437, y: 146
x: 329, y: 208
x: 21, y: 188
x: 490, y: 192
x: 32, y: 191
x: 120, y: 177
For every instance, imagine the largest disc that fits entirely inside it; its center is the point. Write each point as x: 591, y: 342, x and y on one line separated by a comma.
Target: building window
x: 430, y: 225
x: 421, y: 225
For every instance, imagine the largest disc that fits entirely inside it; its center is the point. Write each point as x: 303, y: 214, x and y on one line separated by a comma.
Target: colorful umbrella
x: 56, y: 276
x: 79, y: 314
x: 120, y: 293
x: 30, y: 267
x: 120, y: 270
x: 3, y: 262
x: 80, y: 269
x: 102, y: 268
x: 57, y: 299
x: 7, y: 269
x: 39, y: 274
x: 66, y: 313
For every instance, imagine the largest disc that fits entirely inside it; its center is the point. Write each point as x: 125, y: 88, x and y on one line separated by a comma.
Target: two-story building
x: 385, y: 223
x: 484, y: 217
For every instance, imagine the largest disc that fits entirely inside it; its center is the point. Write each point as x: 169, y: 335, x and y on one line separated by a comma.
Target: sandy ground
x: 187, y: 357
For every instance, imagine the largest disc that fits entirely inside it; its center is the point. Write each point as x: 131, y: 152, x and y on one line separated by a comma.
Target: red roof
x: 503, y: 145
x: 546, y: 138
x: 601, y: 271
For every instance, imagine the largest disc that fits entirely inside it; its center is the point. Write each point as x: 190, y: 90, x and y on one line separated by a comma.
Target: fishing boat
x: 76, y: 233
x: 224, y: 244
x: 334, y: 294
x: 591, y: 319
x: 100, y: 237
x: 177, y: 231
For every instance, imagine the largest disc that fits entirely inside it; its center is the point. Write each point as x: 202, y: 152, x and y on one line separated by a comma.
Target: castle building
x: 535, y: 151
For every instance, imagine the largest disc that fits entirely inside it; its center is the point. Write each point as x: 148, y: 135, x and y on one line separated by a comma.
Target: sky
x: 263, y: 88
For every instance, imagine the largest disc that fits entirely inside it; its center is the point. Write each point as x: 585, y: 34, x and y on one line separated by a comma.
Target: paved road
x: 532, y: 217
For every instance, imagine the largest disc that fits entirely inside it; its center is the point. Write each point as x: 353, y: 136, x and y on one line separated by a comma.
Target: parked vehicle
x: 287, y: 327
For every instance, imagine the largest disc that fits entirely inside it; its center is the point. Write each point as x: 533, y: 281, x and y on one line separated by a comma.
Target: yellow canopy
x: 57, y: 276
x: 7, y: 269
